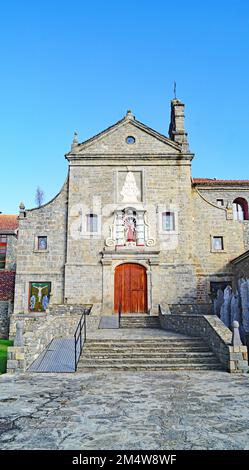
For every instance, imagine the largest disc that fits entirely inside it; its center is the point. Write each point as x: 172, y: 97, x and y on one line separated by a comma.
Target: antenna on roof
x: 174, y: 89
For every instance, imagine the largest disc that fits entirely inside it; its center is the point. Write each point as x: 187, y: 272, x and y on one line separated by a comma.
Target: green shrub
x: 4, y: 343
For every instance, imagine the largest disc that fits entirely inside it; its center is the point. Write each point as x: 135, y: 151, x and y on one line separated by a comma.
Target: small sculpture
x: 18, y: 341
x: 236, y: 341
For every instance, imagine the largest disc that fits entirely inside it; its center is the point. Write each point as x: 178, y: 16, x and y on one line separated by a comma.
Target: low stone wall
x: 214, y: 333
x: 38, y: 332
x: 5, y: 311
x: 16, y: 359
x: 197, y: 309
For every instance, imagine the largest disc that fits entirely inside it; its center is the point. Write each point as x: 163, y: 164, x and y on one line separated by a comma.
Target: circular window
x: 130, y: 139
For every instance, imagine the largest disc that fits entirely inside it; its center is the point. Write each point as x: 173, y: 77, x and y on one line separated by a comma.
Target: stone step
x: 155, y: 340
x: 149, y: 360
x: 154, y: 354
x: 150, y: 347
x: 146, y: 367
x: 145, y: 346
x: 146, y: 351
x: 163, y: 353
x: 140, y: 322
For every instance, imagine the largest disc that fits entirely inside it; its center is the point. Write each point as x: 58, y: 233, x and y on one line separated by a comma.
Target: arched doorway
x: 130, y: 288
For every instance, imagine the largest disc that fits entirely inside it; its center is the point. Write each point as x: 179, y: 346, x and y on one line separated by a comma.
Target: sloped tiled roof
x: 214, y: 182
x: 8, y: 223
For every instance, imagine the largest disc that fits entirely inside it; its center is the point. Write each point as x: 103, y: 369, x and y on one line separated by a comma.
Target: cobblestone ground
x: 125, y: 411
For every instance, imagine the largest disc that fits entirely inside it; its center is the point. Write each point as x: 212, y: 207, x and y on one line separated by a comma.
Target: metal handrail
x: 78, y: 336
x: 119, y: 315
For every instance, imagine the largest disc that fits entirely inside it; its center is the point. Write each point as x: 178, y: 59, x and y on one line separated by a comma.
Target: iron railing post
x: 78, y: 336
x: 119, y: 315
x: 84, y: 326
x: 75, y: 352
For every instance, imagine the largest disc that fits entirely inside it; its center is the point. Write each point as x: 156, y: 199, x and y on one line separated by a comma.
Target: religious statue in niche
x: 39, y: 296
x: 130, y: 191
x: 129, y: 223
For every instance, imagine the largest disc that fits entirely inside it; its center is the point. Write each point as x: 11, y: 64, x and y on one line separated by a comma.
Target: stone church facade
x: 131, y: 229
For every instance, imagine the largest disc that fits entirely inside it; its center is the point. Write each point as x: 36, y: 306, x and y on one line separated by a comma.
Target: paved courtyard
x: 156, y: 410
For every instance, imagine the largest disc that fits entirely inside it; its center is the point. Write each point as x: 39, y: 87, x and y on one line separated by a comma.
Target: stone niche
x: 129, y: 228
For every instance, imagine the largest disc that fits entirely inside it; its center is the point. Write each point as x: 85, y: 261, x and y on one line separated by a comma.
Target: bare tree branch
x: 39, y: 196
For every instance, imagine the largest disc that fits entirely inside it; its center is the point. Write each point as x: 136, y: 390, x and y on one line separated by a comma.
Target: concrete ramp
x: 59, y: 356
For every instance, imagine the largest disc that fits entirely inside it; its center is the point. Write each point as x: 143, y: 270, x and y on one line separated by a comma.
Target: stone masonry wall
x: 213, y: 265
x: 39, y: 332
x: 166, y: 185
x: 214, y: 332
x: 4, y: 319
x: 229, y: 195
x: 185, y: 263
x: 45, y: 266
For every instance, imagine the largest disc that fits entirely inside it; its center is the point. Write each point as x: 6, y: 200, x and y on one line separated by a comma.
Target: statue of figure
x: 244, y: 294
x: 130, y: 230
x: 32, y: 302
x: 226, y: 307
x: 45, y: 302
x: 18, y: 341
x: 130, y: 227
x: 39, y: 294
x: 235, y: 309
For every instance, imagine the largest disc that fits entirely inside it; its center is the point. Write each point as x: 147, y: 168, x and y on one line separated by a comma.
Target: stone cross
x: 18, y: 341
x: 236, y: 341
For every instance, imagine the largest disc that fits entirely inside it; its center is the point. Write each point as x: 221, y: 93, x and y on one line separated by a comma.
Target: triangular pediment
x: 114, y: 141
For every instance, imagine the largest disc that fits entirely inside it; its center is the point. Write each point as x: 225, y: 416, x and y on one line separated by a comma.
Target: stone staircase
x: 140, y: 321
x: 147, y: 354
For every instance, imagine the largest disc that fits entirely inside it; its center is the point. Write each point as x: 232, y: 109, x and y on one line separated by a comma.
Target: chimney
x: 177, y: 128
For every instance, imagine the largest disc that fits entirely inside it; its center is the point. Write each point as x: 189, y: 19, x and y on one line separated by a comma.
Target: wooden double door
x: 130, y: 288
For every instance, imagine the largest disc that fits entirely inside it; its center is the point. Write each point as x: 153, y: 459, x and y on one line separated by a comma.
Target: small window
x: 240, y: 209
x: 3, y: 250
x: 168, y: 221
x: 92, y: 223
x: 42, y: 243
x: 130, y: 140
x: 220, y: 202
x: 217, y: 244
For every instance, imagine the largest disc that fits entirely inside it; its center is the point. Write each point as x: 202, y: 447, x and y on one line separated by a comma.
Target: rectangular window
x: 217, y: 244
x: 92, y: 223
x: 42, y: 243
x: 39, y: 294
x: 3, y: 250
x: 168, y: 221
x: 220, y: 202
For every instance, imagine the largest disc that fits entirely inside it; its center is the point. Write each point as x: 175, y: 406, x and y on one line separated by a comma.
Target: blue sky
x: 81, y: 65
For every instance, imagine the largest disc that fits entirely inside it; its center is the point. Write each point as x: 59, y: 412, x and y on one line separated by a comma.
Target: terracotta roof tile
x: 8, y: 223
x: 213, y: 182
